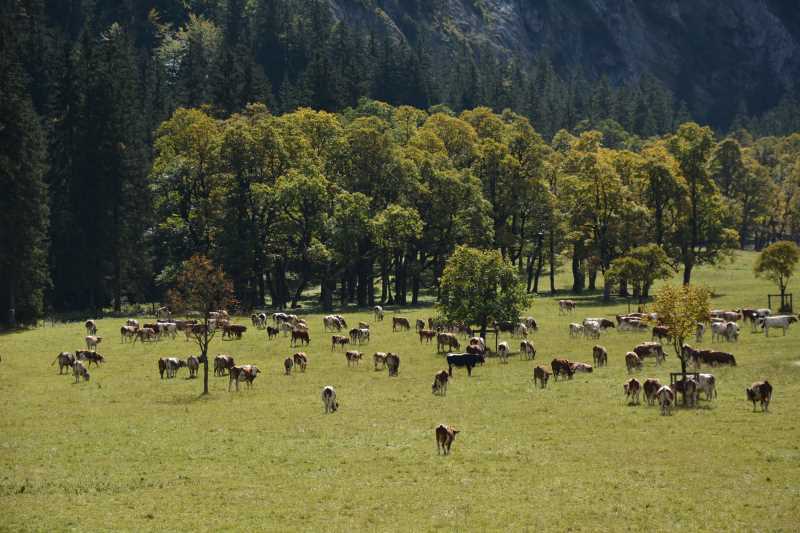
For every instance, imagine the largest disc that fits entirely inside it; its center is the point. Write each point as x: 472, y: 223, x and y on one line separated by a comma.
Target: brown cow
x: 272, y: 332
x: 339, y: 340
x: 399, y: 323
x: 445, y: 435
x: 301, y: 335
x: 222, y: 363
x: 561, y: 366
x: 446, y: 341
x: 650, y: 349
x: 353, y: 357
x: 651, y: 387
x: 760, y: 391
x: 393, y: 363
x: 632, y: 361
x: 300, y: 360
x: 248, y: 373
x: 426, y: 334
x: 540, y: 373
x: 440, y: 380
x: 288, y: 363
x: 661, y: 332
x: 599, y: 356
x: 632, y: 388
x: 233, y: 331
x: 65, y: 360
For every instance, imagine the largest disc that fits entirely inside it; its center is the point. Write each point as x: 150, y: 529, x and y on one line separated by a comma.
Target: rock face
x: 712, y: 53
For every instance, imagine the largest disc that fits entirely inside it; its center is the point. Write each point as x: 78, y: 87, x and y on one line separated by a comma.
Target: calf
x: 300, y: 360
x: 272, y: 332
x: 379, y: 359
x: 329, y: 399
x: 651, y: 387
x: 440, y: 380
x: 353, y: 357
x: 92, y: 341
x: 299, y: 335
x: 400, y: 323
x: 463, y: 360
x: 393, y: 363
x: 222, y: 363
x: 599, y: 356
x: 445, y: 435
x: 580, y: 367
x: 542, y: 375
x: 665, y: 398
x: 426, y: 334
x: 248, y: 373
x: 193, y: 364
x: 503, y: 351
x: 526, y: 347
x: 760, y: 391
x: 632, y: 388
x: 566, y: 306
x: 561, y: 366
x: 575, y: 330
x: 91, y: 327
x: 64, y: 360
x: 446, y: 341
x: 699, y: 332
x: 338, y: 340
x: 79, y: 371
x: 288, y: 363
x: 632, y: 362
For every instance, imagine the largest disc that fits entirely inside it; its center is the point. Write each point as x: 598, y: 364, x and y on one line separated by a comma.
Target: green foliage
x: 777, y: 263
x: 641, y: 266
x: 680, y: 308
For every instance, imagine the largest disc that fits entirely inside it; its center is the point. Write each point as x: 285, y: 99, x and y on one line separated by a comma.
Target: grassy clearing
x: 128, y: 451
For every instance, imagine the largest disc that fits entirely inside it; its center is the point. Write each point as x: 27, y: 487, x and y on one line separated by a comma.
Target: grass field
x: 128, y: 451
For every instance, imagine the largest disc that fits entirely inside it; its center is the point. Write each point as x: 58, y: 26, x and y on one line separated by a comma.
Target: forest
x: 302, y: 154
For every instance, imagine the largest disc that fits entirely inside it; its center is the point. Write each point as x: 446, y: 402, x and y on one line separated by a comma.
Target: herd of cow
x: 724, y: 327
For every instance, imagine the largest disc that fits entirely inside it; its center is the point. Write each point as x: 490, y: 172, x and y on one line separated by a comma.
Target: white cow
x: 591, y: 329
x: 665, y: 398
x: 575, y: 330
x: 775, y: 322
x: 708, y: 384
x: 728, y: 331
x: 502, y: 351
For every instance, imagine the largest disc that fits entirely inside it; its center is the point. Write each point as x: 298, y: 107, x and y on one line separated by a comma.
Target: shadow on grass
x: 190, y: 399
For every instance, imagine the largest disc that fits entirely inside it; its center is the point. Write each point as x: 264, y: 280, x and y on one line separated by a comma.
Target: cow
x: 440, y: 383
x: 566, y: 306
x: 446, y: 341
x: 329, y: 399
x: 632, y: 387
x: 665, y: 398
x: 502, y: 351
x: 399, y: 323
x: 542, y: 375
x: 342, y: 321
x: 91, y: 357
x: 581, y: 367
x: 64, y: 360
x: 300, y: 360
x: 79, y: 371
x: 650, y: 349
x: 426, y: 334
x: 504, y: 326
x: 248, y: 373
x: 92, y: 341
x: 353, y: 357
x: 132, y: 322
x: 530, y: 323
x: 760, y: 391
x: 602, y: 323
x: 708, y: 357
x: 377, y: 312
x: 286, y: 327
x: 561, y: 366
x: 145, y: 334
x: 708, y: 384
x: 91, y: 327
x: 627, y: 323
x: 127, y: 333
x: 700, y: 330
x: 288, y: 363
x: 599, y: 356
x: 339, y: 340
x: 521, y: 330
x: 575, y: 330
x: 359, y: 336
x: 728, y: 331
x: 526, y: 348
x: 393, y: 363
x: 169, y: 328
x: 660, y: 332
x: 193, y: 364
x: 591, y: 329
x: 478, y: 341
x: 463, y: 359
x: 651, y: 387
x: 632, y: 362
x: 331, y: 323
x: 299, y: 335
x: 222, y: 363
x: 687, y: 387
x: 379, y: 359
x: 777, y: 322
x: 233, y: 331
x: 445, y: 435
x: 419, y: 324
x: 272, y: 332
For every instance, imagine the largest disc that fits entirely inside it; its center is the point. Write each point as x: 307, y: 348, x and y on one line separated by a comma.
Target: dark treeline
x: 101, y: 206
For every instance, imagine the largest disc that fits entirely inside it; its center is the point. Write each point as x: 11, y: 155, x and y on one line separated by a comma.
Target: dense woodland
x: 134, y: 134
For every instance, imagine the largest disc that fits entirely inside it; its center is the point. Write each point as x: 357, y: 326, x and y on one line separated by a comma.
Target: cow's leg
x: 469, y: 370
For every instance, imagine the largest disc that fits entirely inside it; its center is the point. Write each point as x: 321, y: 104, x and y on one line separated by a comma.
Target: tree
x: 641, y: 267
x: 479, y: 287
x: 202, y: 287
x: 777, y: 263
x: 680, y: 308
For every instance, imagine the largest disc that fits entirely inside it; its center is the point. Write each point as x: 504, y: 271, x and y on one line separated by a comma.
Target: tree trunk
x: 687, y: 271
x: 578, y: 276
x: 552, y: 264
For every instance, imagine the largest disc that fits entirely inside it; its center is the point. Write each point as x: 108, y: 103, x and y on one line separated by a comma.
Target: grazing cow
x: 379, y: 359
x: 329, y: 399
x: 731, y: 316
x: 127, y: 333
x: 146, y: 334
x: 531, y: 323
x: 446, y: 341
x: 632, y: 362
x: 708, y: 384
x: 299, y: 335
x: 476, y: 349
x: 92, y: 341
x: 687, y: 387
x: 575, y: 330
x: 193, y: 364
x: 377, y: 312
x: 665, y: 398
x: 464, y: 359
x: 660, y: 332
x: 426, y: 334
x: 566, y: 306
x: 478, y: 341
x: 699, y: 332
x: 599, y: 356
x: 64, y: 360
x: 419, y: 325
x: 777, y: 322
x: 561, y: 367
x: 440, y: 383
x: 393, y: 363
x: 728, y: 331
x: 542, y: 375
x: 132, y: 322
x: 288, y: 363
x: 445, y: 435
x: 233, y: 331
x: 353, y: 357
x: 300, y: 360
x: 591, y: 329
x: 79, y: 371
x: 502, y: 351
x: 651, y: 387
x: 272, y: 332
x: 761, y: 391
x: 223, y: 363
x: 341, y: 320
x: 399, y: 323
x: 246, y: 373
x: 91, y: 327
x: 628, y: 323
x: 359, y: 336
x: 331, y: 323
x: 602, y: 323
x: 708, y: 357
x: 632, y: 387
x: 526, y: 347
x: 91, y: 357
x: 581, y: 367
x: 521, y: 330
x: 650, y: 349
x: 339, y: 340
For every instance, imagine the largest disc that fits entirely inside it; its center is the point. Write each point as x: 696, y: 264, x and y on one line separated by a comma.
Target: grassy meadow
x: 128, y: 451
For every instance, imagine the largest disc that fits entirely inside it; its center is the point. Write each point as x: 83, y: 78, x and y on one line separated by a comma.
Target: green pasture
x: 128, y: 451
